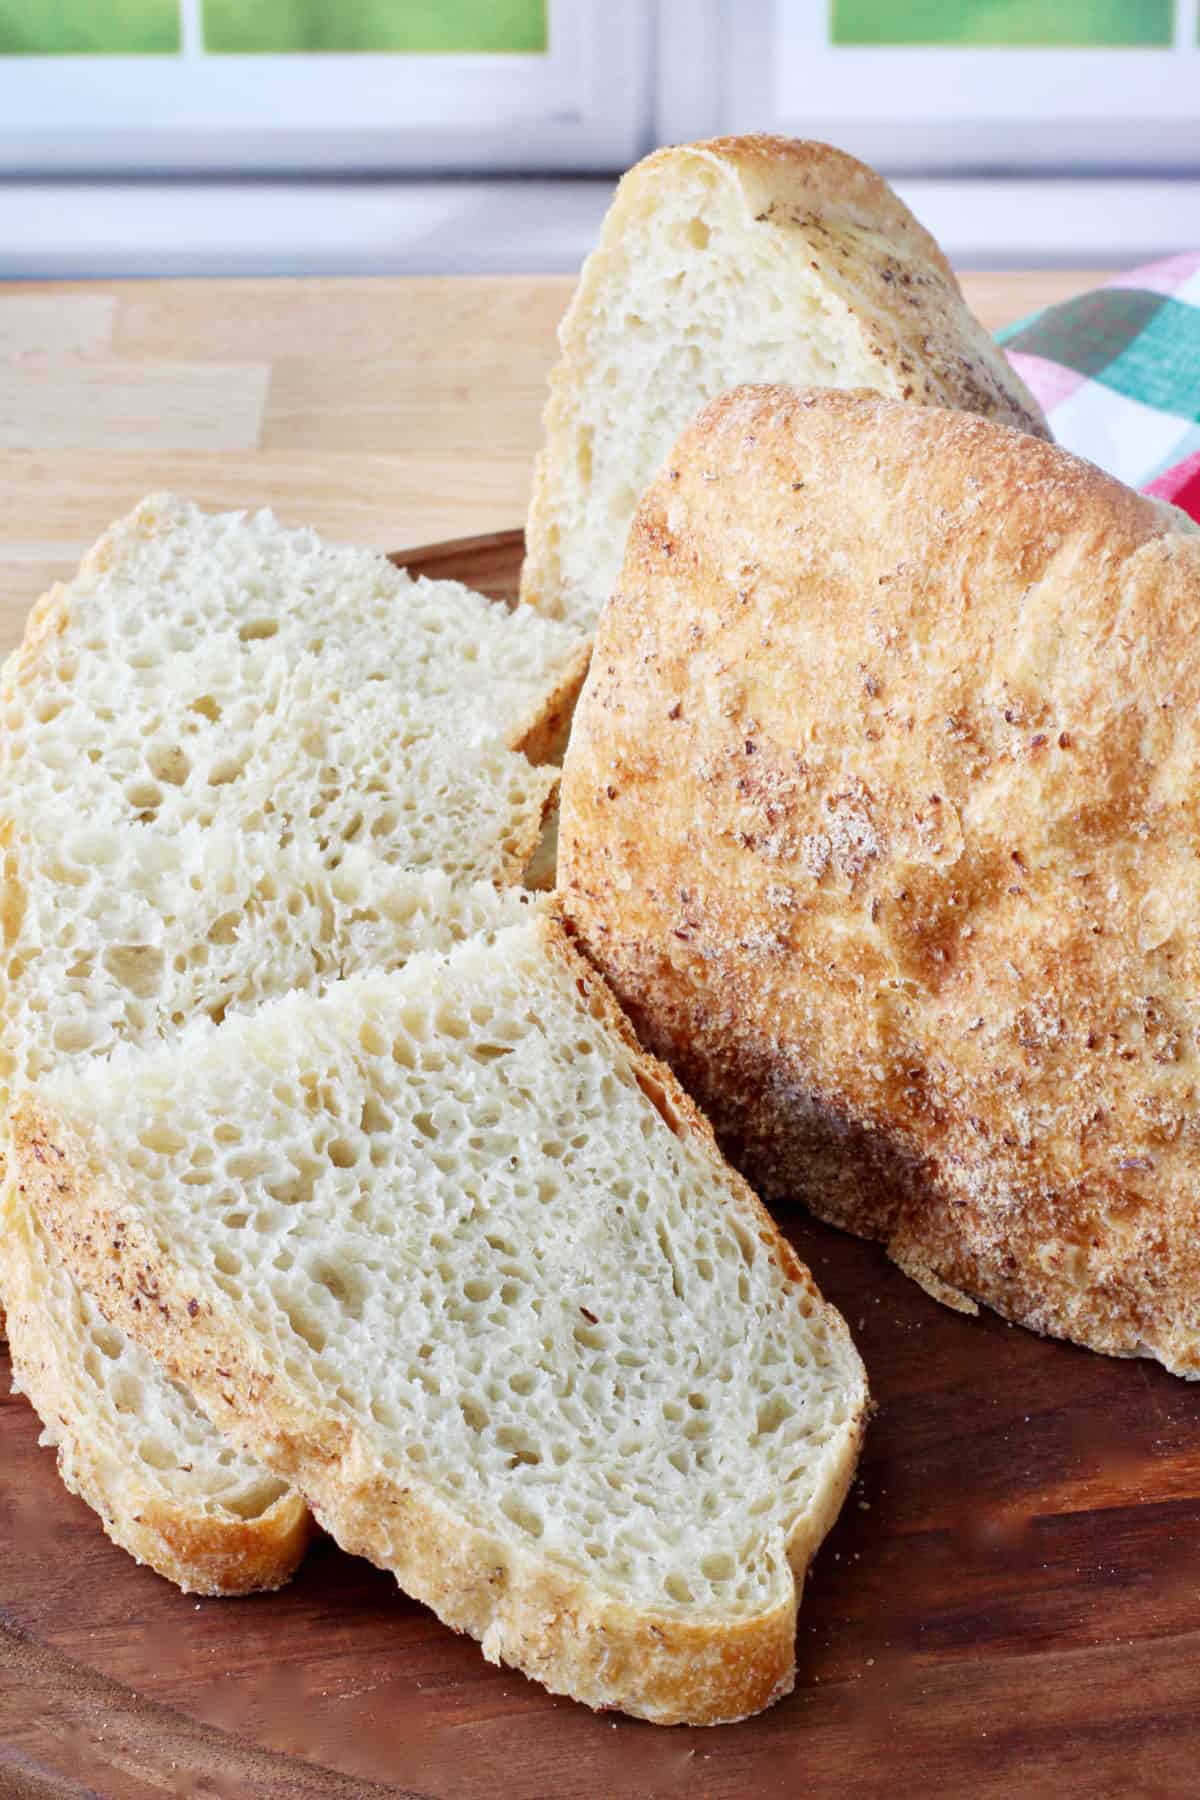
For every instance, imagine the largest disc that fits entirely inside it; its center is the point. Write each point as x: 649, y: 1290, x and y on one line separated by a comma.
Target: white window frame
x: 584, y: 104
x: 621, y: 76
x: 930, y: 110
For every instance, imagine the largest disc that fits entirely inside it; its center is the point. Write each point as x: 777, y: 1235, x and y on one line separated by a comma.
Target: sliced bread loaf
x: 453, y: 1255
x: 118, y: 936
x: 742, y: 259
x: 891, y: 844
x: 236, y: 710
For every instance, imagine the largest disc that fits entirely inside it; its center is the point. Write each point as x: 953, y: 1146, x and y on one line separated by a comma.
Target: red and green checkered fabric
x: 1117, y: 372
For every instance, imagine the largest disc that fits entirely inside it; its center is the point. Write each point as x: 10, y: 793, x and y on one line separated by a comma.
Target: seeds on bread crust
x: 880, y: 814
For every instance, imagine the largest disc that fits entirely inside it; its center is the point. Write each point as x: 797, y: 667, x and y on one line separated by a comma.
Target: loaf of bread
x: 881, y: 815
x: 225, y: 748
x: 743, y: 259
x: 453, y: 1256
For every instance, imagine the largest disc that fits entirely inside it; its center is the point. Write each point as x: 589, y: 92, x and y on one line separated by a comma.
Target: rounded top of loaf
x: 780, y: 172
x: 841, y: 219
x: 957, y: 450
x: 881, y: 813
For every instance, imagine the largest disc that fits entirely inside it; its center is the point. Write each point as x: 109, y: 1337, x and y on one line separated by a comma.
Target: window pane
x: 88, y: 27
x: 1014, y: 23
x: 414, y: 25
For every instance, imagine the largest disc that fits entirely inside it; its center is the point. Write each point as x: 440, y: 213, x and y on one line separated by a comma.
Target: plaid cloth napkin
x: 1117, y: 372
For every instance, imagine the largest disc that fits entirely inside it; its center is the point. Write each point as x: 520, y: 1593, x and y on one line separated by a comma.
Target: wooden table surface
x: 387, y: 412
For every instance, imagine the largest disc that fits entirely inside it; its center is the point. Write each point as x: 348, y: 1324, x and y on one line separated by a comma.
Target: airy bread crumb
x: 227, y: 749
x: 448, y: 1251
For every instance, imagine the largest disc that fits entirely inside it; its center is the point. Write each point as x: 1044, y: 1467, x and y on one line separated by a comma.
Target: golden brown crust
x: 220, y: 1557
x: 880, y: 814
x: 524, y: 1609
x: 543, y: 736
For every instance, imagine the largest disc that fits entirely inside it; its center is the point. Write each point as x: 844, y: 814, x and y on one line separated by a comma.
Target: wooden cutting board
x: 1009, y: 1605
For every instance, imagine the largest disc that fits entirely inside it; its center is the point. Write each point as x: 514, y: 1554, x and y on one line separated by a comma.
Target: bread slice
x: 737, y: 260
x: 890, y: 844
x: 211, y: 714
x: 457, y: 1259
x: 116, y: 936
x: 291, y: 749
x: 203, y: 667
x: 205, y: 670
x: 169, y: 581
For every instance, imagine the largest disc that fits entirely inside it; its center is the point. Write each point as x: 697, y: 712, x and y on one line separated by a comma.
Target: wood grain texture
x: 490, y: 563
x: 382, y: 411
x: 90, y: 405
x: 1010, y: 1603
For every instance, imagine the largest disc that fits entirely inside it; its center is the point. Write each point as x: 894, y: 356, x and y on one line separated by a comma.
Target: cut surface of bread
x: 450, y: 1253
x: 114, y: 935
x: 287, y: 748
x: 736, y: 260
x: 169, y: 581
x: 117, y: 936
x: 213, y: 740
x: 890, y: 842
x: 219, y: 667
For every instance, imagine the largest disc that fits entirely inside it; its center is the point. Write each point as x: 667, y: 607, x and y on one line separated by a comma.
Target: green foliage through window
x: 88, y: 27
x: 1039, y: 24
x: 266, y: 26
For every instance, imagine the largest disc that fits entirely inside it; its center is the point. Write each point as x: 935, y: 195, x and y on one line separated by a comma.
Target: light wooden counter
x: 388, y: 412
